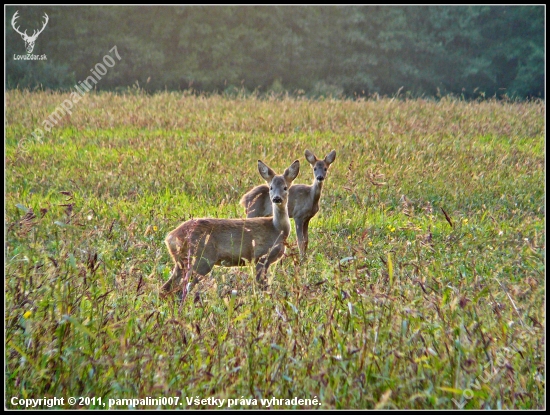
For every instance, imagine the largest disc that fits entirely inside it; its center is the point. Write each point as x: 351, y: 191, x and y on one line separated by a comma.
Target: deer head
x: 29, y: 40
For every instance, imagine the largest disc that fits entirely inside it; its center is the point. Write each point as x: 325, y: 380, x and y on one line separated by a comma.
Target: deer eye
x: 325, y: 169
x: 286, y: 188
x: 270, y: 187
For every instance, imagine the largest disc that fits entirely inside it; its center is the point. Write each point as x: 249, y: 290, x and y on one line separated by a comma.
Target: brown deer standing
x: 199, y: 244
x: 303, y: 201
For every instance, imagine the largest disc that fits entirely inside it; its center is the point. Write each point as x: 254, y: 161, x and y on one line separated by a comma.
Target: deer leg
x: 201, y: 267
x: 263, y: 264
x: 186, y: 285
x: 176, y: 248
x: 300, y: 234
x: 261, y: 271
x: 174, y: 280
x: 305, y: 235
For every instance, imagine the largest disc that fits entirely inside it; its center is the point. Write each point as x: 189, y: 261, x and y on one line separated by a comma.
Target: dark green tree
x: 360, y: 50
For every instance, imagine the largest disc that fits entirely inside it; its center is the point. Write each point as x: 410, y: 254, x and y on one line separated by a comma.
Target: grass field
x: 393, y: 308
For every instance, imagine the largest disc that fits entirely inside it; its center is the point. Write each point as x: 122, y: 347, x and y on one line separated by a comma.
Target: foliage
x: 424, y: 286
x: 474, y: 51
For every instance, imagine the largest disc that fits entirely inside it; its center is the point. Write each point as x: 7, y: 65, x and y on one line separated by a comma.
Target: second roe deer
x: 199, y: 244
x: 303, y: 201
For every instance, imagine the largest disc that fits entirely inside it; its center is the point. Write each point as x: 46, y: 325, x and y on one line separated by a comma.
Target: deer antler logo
x: 29, y: 40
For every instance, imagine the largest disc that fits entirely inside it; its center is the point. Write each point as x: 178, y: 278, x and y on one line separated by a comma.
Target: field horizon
x: 423, y: 287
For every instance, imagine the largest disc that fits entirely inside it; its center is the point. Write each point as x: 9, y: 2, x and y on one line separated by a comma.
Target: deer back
x: 227, y: 241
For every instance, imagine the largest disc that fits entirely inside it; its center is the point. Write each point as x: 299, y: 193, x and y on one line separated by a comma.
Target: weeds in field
x: 425, y: 273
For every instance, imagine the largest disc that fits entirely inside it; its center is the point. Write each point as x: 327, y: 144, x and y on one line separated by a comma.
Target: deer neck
x: 280, y: 218
x: 316, y: 188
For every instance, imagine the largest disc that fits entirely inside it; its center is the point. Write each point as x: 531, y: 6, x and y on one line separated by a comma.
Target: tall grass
x: 424, y: 285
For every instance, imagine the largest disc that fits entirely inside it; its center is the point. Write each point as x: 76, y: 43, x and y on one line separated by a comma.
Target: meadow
x: 424, y: 282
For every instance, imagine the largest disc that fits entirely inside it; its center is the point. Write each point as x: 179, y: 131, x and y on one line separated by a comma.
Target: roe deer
x: 199, y: 244
x: 303, y: 200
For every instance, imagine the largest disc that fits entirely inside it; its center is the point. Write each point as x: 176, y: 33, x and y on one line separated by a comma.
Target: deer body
x: 199, y: 244
x: 303, y: 200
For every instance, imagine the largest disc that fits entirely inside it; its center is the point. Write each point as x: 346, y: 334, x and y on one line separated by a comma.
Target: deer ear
x: 330, y: 157
x: 267, y: 173
x: 291, y: 173
x: 310, y: 157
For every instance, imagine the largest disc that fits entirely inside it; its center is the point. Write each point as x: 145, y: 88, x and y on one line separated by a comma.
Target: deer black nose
x: 277, y: 199
x: 320, y: 178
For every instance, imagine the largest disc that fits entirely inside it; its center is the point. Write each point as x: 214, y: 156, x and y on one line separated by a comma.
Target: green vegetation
x: 321, y: 51
x: 393, y: 308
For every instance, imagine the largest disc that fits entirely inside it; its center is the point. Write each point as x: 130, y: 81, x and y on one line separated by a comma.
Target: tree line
x: 471, y: 51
